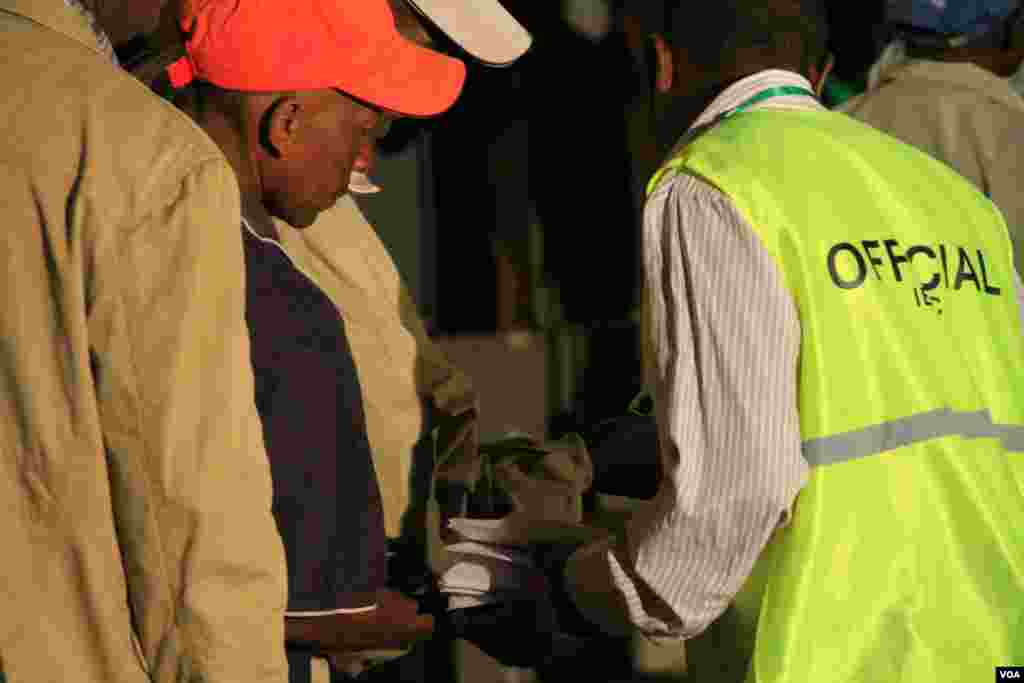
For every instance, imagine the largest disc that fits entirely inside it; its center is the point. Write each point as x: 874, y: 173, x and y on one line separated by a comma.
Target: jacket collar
x: 67, y: 17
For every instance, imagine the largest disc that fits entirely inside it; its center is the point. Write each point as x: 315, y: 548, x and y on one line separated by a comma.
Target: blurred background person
x: 141, y: 545
x: 518, y: 148
x: 943, y: 84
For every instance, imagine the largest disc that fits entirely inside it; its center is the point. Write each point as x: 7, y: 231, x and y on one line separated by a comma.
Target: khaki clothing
x: 135, y: 486
x: 963, y: 115
x: 403, y: 374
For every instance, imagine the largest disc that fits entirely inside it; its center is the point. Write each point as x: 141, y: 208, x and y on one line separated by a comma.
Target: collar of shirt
x: 955, y: 75
x: 742, y: 90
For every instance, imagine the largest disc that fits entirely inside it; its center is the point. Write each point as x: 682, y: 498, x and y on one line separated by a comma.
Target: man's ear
x: 664, y: 64
x: 280, y: 125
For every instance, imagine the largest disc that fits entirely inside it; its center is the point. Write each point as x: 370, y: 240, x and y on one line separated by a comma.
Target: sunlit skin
x: 292, y: 152
x: 316, y: 140
x: 313, y: 141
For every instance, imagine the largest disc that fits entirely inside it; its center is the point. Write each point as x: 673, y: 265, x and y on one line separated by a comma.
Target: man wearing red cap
x: 138, y: 536
x: 295, y: 114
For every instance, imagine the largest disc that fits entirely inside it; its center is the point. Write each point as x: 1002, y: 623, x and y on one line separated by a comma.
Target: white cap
x: 483, y: 28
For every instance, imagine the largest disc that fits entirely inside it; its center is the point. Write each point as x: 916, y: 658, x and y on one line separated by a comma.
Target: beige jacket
x: 137, y: 530
x: 962, y: 114
x: 401, y: 371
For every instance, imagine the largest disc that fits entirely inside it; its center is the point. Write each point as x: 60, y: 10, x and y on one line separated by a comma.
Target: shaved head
x: 698, y: 53
x: 794, y: 31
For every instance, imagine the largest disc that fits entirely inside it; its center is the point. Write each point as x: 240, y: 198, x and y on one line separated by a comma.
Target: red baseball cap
x: 351, y: 45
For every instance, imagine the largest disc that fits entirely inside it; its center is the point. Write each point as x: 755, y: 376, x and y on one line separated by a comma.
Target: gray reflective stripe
x: 888, y: 436
x: 1014, y: 439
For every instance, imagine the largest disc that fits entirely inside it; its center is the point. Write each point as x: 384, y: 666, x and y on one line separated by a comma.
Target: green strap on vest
x: 769, y: 93
x: 780, y: 91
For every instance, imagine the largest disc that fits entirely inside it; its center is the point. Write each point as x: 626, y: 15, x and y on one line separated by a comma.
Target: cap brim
x: 483, y: 28
x: 413, y: 81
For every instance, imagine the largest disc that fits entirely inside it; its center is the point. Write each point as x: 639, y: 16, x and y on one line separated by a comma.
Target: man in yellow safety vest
x: 834, y: 345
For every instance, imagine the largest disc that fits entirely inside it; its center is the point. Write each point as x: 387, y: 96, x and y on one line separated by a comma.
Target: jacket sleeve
x: 721, y: 347
x: 436, y: 376
x: 190, y: 478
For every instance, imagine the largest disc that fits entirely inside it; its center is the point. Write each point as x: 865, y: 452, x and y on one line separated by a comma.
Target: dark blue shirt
x: 326, y: 500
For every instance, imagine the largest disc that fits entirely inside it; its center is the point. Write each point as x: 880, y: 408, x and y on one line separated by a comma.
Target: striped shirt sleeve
x: 721, y: 346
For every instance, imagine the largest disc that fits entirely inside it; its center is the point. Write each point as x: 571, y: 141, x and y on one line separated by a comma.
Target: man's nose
x: 367, y: 156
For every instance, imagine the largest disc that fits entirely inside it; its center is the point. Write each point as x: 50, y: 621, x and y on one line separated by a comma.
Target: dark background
x: 536, y: 179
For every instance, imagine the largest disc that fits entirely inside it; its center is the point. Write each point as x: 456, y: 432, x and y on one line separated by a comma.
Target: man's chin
x: 304, y: 220
x: 305, y: 216
x: 297, y: 218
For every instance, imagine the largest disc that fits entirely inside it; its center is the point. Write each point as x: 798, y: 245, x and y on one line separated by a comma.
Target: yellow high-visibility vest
x: 904, y: 560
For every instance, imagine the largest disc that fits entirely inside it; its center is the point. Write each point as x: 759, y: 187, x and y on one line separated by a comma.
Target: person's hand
x: 395, y: 624
x: 402, y: 626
